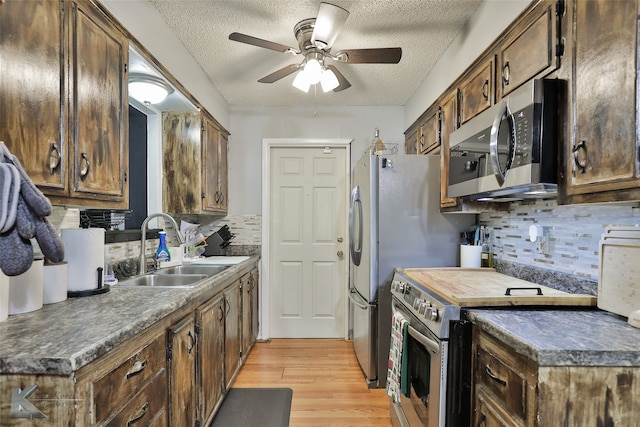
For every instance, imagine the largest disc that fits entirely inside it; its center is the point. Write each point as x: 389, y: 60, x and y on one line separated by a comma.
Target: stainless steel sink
x: 207, y: 269
x: 165, y: 280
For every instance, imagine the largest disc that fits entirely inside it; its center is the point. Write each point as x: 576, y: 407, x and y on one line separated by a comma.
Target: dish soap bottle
x: 162, y: 254
x: 377, y: 143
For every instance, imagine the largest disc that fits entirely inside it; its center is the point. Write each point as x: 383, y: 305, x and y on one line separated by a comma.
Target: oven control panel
x: 424, y: 305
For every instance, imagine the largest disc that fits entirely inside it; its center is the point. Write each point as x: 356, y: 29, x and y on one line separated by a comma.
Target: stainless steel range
x: 439, y: 357
x: 439, y: 341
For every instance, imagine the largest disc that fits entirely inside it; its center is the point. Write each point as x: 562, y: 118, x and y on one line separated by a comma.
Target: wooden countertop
x: 484, y: 287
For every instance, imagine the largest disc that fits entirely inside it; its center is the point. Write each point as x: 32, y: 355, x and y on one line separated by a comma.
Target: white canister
x: 470, y: 256
x: 25, y: 290
x: 4, y: 296
x: 54, y: 283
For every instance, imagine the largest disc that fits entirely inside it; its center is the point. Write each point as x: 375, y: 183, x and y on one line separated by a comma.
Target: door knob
x: 340, y: 254
x: 340, y: 239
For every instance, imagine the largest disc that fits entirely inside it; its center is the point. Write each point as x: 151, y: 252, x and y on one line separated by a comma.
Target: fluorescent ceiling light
x: 148, y: 89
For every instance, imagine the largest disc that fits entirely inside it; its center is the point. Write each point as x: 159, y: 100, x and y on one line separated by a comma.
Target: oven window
x: 419, y: 367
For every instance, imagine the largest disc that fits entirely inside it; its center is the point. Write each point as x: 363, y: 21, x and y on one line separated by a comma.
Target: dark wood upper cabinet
x: 601, y: 158
x: 99, y: 130
x: 476, y: 90
x: 64, y: 104
x: 33, y: 89
x: 531, y: 49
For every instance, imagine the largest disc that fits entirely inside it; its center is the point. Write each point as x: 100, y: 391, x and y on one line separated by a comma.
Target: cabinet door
x: 604, y: 152
x: 223, y: 164
x: 448, y: 124
x: 99, y: 119
x: 32, y: 90
x: 247, y: 304
x: 475, y: 92
x: 182, y: 373
x: 429, y: 132
x: 181, y: 153
x: 210, y: 362
x: 485, y: 415
x: 255, y: 323
x: 232, y: 301
x: 210, y: 137
x: 530, y: 49
x: 411, y: 141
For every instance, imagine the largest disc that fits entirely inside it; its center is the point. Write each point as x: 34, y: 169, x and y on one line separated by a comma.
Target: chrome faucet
x: 142, y: 268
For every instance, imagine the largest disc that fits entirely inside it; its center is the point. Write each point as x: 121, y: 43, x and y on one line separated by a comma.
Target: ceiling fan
x: 315, y: 38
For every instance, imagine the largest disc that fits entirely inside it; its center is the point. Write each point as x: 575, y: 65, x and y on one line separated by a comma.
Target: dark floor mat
x: 255, y: 407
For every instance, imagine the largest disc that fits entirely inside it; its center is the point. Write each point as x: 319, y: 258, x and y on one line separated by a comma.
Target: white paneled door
x: 307, y: 250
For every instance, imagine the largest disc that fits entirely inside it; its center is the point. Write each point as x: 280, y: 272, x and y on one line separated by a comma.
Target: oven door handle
x: 427, y: 342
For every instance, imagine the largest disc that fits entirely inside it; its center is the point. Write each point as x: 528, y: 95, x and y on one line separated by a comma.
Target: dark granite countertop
x: 63, y: 337
x: 563, y: 337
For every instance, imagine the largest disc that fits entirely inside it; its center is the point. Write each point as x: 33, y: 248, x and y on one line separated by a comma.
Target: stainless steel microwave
x: 510, y: 151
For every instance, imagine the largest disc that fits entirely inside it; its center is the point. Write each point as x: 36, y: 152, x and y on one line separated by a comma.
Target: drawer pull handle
x: 86, y: 166
x: 481, y: 419
x: 54, y: 157
x: 143, y: 412
x: 137, y: 368
x: 221, y: 310
x: 500, y: 381
x: 538, y: 290
x: 193, y: 343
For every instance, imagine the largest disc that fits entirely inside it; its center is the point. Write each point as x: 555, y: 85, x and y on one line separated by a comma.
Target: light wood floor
x: 328, y: 385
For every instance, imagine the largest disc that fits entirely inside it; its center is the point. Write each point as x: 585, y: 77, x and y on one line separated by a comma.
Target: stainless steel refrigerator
x: 394, y: 221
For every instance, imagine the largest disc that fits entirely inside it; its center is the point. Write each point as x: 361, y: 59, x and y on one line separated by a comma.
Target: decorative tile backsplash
x: 572, y: 234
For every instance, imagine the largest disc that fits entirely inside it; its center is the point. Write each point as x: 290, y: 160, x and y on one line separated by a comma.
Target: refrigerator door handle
x: 355, y: 239
x: 363, y: 305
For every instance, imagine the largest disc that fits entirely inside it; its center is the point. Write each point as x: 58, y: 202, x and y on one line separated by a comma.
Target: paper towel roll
x: 54, y: 283
x: 25, y: 290
x: 84, y: 253
x: 470, y: 256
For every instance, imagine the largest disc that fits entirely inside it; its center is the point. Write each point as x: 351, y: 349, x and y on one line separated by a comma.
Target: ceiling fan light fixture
x: 328, y: 24
x: 328, y: 81
x: 301, y: 82
x: 148, y: 89
x: 313, y: 71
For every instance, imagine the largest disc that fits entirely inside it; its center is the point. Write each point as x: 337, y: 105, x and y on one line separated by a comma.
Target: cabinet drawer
x: 119, y: 385
x: 148, y: 408
x: 507, y: 384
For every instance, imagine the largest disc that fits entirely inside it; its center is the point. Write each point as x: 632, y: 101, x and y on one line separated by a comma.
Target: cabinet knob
x: 340, y: 254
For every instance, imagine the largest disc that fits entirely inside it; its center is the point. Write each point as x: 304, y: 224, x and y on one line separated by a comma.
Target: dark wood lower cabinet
x: 181, y: 364
x: 232, y: 301
x: 210, y: 326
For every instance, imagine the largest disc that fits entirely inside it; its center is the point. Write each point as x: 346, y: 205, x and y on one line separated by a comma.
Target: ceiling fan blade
x: 343, y: 83
x: 329, y: 21
x: 385, y: 55
x: 282, y: 72
x: 243, y: 38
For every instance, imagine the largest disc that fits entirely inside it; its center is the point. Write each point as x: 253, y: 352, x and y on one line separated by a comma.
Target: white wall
x: 491, y: 19
x: 249, y: 125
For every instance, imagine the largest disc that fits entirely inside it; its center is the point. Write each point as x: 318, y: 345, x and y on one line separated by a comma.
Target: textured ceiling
x: 422, y: 28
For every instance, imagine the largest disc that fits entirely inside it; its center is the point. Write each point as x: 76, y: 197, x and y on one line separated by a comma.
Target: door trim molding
x: 267, y: 145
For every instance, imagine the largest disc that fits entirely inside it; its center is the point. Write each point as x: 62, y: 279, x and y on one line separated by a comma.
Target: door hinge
x: 202, y: 196
x: 196, y: 329
x: 169, y: 354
